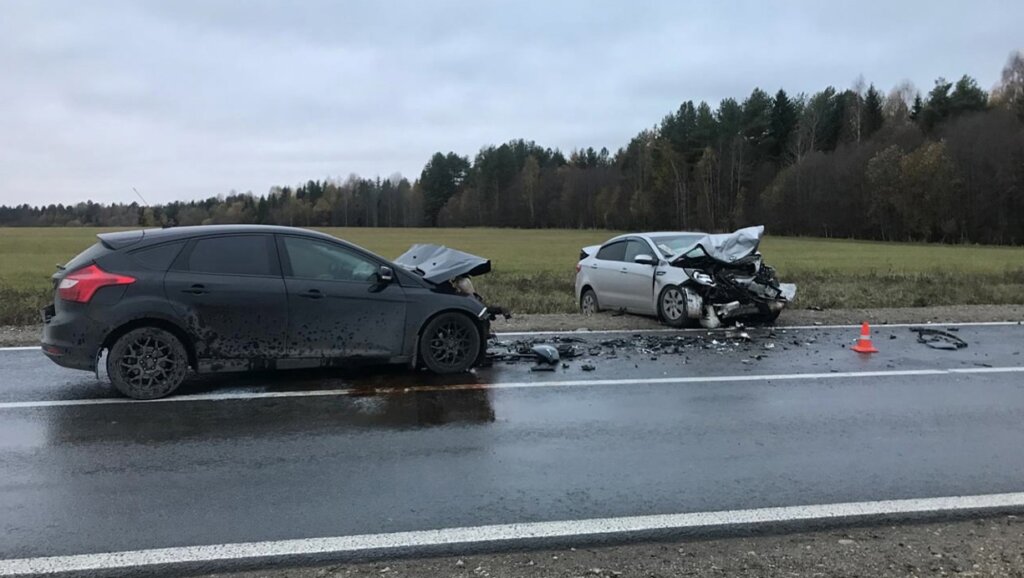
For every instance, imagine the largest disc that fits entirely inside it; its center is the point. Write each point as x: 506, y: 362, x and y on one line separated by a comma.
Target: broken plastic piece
x: 545, y: 353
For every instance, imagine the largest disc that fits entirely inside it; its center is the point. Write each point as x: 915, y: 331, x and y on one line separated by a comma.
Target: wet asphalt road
x: 398, y: 451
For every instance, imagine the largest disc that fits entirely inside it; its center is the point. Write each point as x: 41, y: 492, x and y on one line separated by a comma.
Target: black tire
x: 147, y: 363
x: 672, y: 306
x: 450, y: 343
x: 588, y: 302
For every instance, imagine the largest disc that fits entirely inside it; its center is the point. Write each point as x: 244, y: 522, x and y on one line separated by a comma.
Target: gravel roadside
x: 992, y: 546
x: 29, y: 335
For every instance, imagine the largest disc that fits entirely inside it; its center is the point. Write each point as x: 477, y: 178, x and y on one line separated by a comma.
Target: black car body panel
x: 230, y: 317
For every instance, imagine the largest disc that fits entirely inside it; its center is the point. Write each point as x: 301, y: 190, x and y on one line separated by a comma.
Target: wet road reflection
x: 377, y: 379
x: 377, y: 409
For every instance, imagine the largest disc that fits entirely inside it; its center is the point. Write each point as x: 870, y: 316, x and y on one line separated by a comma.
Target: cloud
x: 195, y: 98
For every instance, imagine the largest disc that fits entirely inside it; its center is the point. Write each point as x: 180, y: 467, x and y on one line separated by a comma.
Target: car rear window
x: 85, y: 257
x: 158, y: 258
x: 234, y: 255
x: 613, y: 252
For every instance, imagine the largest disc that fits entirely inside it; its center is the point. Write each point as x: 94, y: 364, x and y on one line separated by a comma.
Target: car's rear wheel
x: 588, y: 302
x: 450, y: 343
x: 672, y: 306
x: 147, y: 363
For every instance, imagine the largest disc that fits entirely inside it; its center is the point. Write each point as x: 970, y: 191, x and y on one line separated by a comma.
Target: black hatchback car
x: 240, y: 297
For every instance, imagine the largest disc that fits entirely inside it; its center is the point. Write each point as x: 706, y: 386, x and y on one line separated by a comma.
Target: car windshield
x: 672, y: 244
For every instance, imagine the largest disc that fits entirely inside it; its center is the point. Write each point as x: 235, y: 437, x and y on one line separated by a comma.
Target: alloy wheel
x: 148, y: 363
x: 450, y: 344
x: 673, y: 304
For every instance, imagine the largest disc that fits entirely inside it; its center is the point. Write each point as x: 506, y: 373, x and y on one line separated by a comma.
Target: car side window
x: 613, y: 252
x: 314, y: 259
x: 160, y: 257
x: 634, y: 248
x: 232, y: 255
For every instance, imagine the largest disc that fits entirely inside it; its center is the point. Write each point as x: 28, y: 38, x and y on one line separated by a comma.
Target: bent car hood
x: 438, y: 264
x: 726, y: 247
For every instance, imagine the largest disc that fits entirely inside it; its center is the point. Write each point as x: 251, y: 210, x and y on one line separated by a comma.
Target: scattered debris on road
x: 546, y: 352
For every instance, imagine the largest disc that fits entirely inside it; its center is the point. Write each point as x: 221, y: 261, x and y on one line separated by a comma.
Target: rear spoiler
x: 121, y: 239
x: 589, y: 251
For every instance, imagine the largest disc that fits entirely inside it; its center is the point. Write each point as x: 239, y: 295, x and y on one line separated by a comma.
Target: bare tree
x: 897, y: 104
x: 856, y: 118
x: 1010, y: 90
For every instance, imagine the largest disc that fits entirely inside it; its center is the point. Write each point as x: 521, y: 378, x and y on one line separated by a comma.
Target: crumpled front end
x: 730, y: 279
x: 450, y: 271
x: 439, y: 264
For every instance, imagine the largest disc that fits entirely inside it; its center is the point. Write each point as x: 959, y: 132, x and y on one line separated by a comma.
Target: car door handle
x: 623, y: 270
x: 196, y: 289
x: 312, y: 294
x: 593, y: 266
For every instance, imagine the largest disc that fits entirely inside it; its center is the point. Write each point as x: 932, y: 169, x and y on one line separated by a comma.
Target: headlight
x: 702, y: 278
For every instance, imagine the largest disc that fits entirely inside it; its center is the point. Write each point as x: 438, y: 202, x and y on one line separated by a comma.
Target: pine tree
x: 873, y: 118
x: 780, y: 129
x: 916, y: 108
x: 967, y: 97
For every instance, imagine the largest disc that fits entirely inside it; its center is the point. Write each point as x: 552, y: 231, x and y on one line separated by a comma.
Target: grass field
x: 533, y: 269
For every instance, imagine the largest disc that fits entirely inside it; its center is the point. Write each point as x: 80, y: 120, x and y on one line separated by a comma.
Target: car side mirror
x: 644, y: 259
x: 385, y: 274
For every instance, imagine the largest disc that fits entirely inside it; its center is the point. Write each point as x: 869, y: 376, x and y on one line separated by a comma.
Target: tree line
x: 946, y: 165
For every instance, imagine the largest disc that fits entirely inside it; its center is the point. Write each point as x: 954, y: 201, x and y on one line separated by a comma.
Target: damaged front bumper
x: 728, y: 279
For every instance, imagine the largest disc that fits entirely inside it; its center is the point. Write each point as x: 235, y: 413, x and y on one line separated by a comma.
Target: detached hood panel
x: 438, y: 264
x: 727, y: 247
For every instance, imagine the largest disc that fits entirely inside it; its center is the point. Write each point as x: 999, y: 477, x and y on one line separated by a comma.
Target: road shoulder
x: 990, y: 546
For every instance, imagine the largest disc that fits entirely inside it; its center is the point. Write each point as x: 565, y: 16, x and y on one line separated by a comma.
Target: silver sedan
x: 681, y: 277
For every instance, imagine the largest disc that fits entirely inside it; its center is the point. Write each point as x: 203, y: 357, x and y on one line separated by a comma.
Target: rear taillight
x: 79, y: 286
x: 578, y: 267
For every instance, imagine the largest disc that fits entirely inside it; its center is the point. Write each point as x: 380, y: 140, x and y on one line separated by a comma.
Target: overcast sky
x: 187, y: 99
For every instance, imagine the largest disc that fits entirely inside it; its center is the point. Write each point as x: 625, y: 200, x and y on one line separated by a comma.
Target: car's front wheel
x: 147, y: 363
x: 450, y: 343
x: 672, y: 306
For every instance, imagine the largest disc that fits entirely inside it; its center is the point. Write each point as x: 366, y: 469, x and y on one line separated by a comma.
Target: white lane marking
x: 21, y: 348
x: 582, y: 332
x: 228, y: 396
x: 498, y: 533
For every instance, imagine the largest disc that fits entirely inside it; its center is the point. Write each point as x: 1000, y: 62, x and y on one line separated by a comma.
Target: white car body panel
x: 625, y: 285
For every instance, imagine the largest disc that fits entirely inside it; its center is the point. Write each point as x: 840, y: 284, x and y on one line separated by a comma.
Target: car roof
x: 141, y: 237
x: 648, y: 235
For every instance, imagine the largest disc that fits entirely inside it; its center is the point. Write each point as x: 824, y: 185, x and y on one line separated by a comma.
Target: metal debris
x: 938, y: 339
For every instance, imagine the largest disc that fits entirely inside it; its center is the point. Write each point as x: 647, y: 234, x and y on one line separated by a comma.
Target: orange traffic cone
x: 864, y: 344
